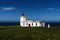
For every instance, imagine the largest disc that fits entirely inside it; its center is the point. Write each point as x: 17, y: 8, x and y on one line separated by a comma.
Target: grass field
x: 29, y: 33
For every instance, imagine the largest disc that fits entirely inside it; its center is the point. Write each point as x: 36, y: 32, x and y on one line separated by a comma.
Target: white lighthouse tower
x: 22, y: 19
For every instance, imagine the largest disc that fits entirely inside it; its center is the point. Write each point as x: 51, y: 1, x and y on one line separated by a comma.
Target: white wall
x: 34, y: 24
x: 38, y: 24
x: 22, y: 19
x: 25, y: 25
x: 43, y: 24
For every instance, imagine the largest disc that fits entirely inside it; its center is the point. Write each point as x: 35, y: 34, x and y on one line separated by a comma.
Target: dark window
x: 36, y: 24
x: 42, y: 24
x: 32, y: 24
x: 23, y: 23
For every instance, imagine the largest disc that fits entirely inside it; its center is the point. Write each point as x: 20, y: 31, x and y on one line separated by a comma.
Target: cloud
x: 8, y: 8
x: 52, y: 9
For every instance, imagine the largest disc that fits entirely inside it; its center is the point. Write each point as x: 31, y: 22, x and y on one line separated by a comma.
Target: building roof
x: 35, y: 20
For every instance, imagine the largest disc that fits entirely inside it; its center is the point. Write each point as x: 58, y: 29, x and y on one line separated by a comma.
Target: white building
x: 30, y: 23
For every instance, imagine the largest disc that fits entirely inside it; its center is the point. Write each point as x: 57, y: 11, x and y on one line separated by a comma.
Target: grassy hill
x: 29, y: 33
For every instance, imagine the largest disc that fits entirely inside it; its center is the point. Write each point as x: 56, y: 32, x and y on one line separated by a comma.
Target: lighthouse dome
x: 23, y: 16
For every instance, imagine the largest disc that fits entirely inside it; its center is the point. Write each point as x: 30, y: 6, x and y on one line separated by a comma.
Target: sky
x: 47, y: 10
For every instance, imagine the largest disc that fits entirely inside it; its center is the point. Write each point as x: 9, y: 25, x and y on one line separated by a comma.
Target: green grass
x: 29, y: 33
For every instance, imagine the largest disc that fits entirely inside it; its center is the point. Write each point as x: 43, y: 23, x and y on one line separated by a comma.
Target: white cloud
x: 52, y: 9
x: 8, y: 8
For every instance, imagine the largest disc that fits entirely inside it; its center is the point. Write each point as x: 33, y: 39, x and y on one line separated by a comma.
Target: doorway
x: 29, y: 25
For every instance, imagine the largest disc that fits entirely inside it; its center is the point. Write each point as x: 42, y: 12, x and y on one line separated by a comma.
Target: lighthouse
x: 22, y: 19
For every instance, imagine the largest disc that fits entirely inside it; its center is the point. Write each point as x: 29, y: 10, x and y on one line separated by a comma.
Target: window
x: 36, y: 24
x: 23, y: 23
x: 32, y: 24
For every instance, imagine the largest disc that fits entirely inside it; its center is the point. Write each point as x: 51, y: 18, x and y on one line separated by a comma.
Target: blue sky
x: 11, y: 10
